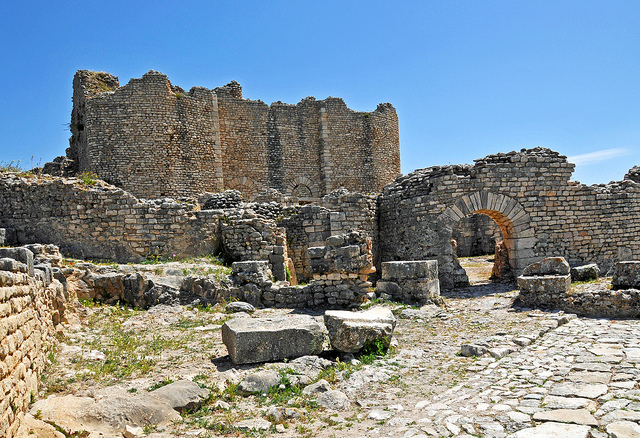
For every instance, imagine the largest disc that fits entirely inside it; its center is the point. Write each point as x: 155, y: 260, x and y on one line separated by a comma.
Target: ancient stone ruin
x: 154, y: 139
x: 319, y: 220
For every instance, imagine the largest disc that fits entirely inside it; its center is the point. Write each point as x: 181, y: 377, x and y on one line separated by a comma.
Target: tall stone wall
x: 26, y: 330
x: 373, y: 158
x: 101, y: 221
x: 147, y: 136
x: 540, y: 212
x: 243, y: 135
x: 153, y: 139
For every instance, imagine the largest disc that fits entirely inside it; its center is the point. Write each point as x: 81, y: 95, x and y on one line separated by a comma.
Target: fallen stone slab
x: 500, y: 352
x: 254, y: 424
x: 472, y: 350
x: 317, y: 388
x: 555, y: 430
x: 349, y: 332
x: 254, y: 340
x: 380, y: 415
x: 626, y: 275
x: 261, y: 382
x: 333, y: 399
x: 182, y: 395
x: 576, y: 416
x: 239, y: 306
x: 107, y: 416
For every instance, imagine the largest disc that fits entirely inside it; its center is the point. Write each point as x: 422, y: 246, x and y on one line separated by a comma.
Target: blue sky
x: 468, y: 78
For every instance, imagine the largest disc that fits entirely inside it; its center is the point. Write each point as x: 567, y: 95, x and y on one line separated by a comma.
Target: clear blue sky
x: 468, y: 78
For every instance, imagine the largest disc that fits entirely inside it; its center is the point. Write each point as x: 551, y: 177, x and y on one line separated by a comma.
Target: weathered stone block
x: 411, y: 281
x: 585, y: 273
x: 546, y: 283
x: 182, y: 395
x: 317, y: 251
x: 253, y: 340
x: 253, y: 271
x: 626, y: 275
x: 350, y: 331
x: 548, y: 266
x: 20, y: 254
x: 471, y: 350
x: 410, y: 269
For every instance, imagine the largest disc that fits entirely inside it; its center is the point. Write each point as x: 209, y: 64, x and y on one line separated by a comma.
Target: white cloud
x: 597, y: 156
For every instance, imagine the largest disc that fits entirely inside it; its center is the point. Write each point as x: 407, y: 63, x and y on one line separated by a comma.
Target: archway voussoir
x: 514, y: 211
x: 491, y: 201
x: 463, y: 205
x: 510, y: 205
x: 476, y: 201
x: 484, y: 196
x: 454, y: 213
x: 498, y: 202
x: 503, y: 203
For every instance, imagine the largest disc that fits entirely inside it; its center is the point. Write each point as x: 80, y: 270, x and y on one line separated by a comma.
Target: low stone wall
x: 253, y: 283
x: 28, y: 306
x: 547, y: 285
x: 247, y: 236
x: 340, y: 278
x: 99, y: 221
x: 591, y: 300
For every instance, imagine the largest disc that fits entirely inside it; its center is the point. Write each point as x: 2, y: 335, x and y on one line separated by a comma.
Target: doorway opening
x: 478, y: 244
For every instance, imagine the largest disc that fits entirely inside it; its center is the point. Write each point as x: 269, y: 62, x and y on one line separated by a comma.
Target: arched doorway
x: 513, y: 220
x: 474, y: 239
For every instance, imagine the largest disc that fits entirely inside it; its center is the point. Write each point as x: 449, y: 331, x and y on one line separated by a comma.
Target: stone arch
x: 303, y: 188
x: 243, y: 184
x: 515, y: 223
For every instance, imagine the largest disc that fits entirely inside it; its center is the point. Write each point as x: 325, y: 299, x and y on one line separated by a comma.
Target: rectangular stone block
x: 254, y: 340
x: 410, y: 269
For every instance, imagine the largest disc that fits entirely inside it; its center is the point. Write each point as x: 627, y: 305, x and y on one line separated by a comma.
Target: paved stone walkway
x: 578, y: 380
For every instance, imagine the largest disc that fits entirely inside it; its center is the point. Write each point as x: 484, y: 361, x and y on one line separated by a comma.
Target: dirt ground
x: 116, y: 349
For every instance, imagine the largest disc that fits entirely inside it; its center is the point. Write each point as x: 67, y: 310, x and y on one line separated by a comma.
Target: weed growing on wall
x: 88, y: 178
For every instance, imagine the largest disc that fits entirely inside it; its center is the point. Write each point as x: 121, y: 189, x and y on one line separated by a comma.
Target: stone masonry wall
x: 26, y: 330
x: 373, y: 158
x: 341, y: 211
x: 153, y: 139
x: 243, y: 135
x: 148, y: 137
x: 103, y: 222
x: 246, y: 236
x: 340, y: 271
x: 528, y: 193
